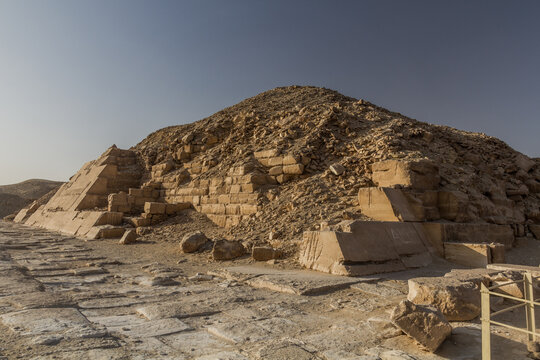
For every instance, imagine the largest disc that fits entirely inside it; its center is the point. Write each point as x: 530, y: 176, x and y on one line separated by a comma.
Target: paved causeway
x: 62, y: 299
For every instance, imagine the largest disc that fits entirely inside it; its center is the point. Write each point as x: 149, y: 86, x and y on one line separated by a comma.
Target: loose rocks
x: 129, y: 237
x: 425, y: 324
x: 457, y: 300
x: 193, y: 242
x: 227, y: 250
x: 264, y: 253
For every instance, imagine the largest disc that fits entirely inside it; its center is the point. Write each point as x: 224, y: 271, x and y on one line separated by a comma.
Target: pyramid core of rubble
x: 299, y: 159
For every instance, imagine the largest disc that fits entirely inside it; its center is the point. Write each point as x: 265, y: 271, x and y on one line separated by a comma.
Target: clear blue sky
x: 78, y: 76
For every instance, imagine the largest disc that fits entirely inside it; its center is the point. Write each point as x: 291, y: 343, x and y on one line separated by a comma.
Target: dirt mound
x: 318, y: 128
x: 16, y: 196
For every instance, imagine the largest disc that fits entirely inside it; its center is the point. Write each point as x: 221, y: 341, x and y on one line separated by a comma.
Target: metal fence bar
x: 512, y: 327
x: 529, y: 309
x: 507, y: 309
x: 529, y: 302
x: 486, y: 331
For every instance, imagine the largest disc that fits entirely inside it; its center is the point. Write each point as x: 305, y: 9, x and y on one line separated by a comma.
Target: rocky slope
x: 320, y: 127
x: 16, y: 196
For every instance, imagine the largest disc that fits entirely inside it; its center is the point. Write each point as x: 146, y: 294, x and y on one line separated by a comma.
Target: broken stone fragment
x: 265, y: 253
x: 337, y: 169
x: 425, y: 324
x: 129, y: 237
x: 227, y: 250
x: 457, y: 300
x: 193, y: 242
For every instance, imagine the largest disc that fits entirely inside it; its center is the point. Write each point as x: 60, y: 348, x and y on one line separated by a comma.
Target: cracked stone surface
x: 63, y: 298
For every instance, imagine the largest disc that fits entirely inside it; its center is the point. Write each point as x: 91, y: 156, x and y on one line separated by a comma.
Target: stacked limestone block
x: 409, y: 208
x: 79, y: 207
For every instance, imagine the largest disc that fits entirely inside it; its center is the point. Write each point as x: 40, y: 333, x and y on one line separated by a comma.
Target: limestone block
x: 365, y: 248
x: 227, y: 250
x: 211, y: 139
x: 438, y: 233
x: 281, y: 179
x: 232, y: 220
x: 247, y: 209
x: 425, y: 324
x: 497, y: 253
x: 387, y: 204
x: 266, y: 153
x: 129, y: 237
x: 276, y: 170
x: 109, y: 218
x: 420, y: 174
x: 275, y: 161
x: 291, y: 160
x: 260, y: 179
x: 154, y: 207
x: 224, y: 199
x: 232, y: 209
x: 249, y: 188
x: 183, y: 155
x: 240, y: 170
x: 337, y: 169
x: 453, y: 205
x: 171, y: 209
x: 457, y: 300
x: 473, y: 255
x: 140, y: 221
x: 193, y: 242
x: 296, y: 169
x: 264, y: 253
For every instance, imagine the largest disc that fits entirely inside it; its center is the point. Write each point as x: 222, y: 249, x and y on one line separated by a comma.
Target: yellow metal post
x: 528, y: 290
x: 486, y: 332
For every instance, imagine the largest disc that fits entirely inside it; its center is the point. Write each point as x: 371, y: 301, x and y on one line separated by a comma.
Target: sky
x: 78, y: 76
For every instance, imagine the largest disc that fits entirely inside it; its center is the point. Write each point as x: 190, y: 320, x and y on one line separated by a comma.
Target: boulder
x: 193, y: 242
x: 227, y: 250
x: 458, y: 300
x: 419, y: 174
x: 264, y: 253
x: 129, y: 237
x: 425, y: 324
x: 337, y: 169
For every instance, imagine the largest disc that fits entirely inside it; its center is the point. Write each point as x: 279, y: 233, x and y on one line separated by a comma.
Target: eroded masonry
x: 324, y: 189
x: 342, y: 185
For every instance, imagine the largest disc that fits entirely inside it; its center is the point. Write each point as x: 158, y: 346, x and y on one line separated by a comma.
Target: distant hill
x: 16, y: 196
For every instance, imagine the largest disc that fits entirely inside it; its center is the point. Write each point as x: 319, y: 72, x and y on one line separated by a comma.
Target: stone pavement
x: 60, y: 299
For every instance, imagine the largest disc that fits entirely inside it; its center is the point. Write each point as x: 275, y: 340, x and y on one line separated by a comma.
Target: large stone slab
x: 366, y: 247
x: 387, y: 204
x: 439, y: 233
x: 158, y: 328
x: 419, y: 174
x: 67, y: 321
x: 457, y: 299
x: 178, y: 309
x: 196, y: 343
x: 299, y: 282
x: 425, y: 324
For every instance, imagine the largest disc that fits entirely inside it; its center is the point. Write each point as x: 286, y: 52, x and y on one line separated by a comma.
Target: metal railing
x: 528, y: 302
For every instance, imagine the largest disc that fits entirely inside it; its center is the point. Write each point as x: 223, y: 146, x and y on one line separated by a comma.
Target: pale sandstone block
x: 266, y: 153
x: 154, y: 208
x: 296, y: 169
x: 276, y: 170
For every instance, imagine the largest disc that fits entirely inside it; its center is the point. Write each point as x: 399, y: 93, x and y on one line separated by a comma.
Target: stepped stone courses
x: 294, y: 161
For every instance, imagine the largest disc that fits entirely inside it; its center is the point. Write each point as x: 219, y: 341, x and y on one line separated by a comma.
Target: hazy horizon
x: 79, y: 76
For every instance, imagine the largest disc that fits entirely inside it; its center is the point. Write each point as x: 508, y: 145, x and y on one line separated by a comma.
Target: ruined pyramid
x: 344, y: 186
